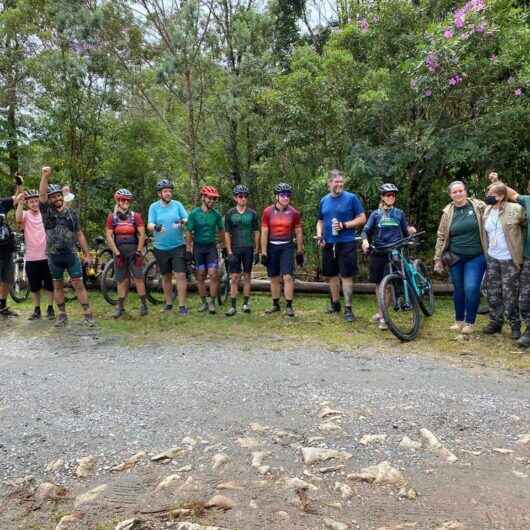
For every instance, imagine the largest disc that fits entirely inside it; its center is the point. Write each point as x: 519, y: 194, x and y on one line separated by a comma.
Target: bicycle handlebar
x: 398, y: 244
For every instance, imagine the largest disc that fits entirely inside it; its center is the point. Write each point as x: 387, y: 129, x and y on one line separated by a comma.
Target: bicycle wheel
x: 400, y: 307
x: 224, y: 283
x: 103, y: 257
x: 153, y: 284
x: 107, y: 283
x: 424, y: 285
x: 19, y: 290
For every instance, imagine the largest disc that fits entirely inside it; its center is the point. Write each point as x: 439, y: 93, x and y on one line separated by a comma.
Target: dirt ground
x: 243, y: 417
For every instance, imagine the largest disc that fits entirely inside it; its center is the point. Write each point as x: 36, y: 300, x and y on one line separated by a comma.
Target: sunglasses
x: 390, y: 194
x: 242, y: 195
x: 285, y: 195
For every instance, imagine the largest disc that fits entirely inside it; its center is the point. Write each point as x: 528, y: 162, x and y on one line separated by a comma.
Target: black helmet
x: 241, y: 189
x: 163, y: 184
x: 283, y: 187
x: 54, y: 188
x: 31, y: 194
x: 388, y: 187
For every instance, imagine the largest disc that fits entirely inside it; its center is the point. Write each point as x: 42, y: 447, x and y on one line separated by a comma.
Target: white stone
x: 382, y: 473
x: 345, y: 490
x: 222, y: 502
x: 55, y: 465
x: 168, y: 482
x: 168, y: 455
x: 334, y: 525
x: 219, y: 460
x: 90, y: 495
x: 407, y: 443
x: 129, y: 463
x: 296, y: 484
x: 85, y: 466
x: 312, y: 455
x: 369, y: 439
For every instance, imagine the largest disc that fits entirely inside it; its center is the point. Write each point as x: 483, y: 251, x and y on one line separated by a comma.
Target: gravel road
x: 78, y: 394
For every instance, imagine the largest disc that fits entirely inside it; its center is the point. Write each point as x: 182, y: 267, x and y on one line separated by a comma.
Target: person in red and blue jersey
x: 340, y: 214
x: 280, y: 224
x: 125, y: 231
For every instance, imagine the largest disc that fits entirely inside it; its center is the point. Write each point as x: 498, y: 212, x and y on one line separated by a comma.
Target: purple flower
x: 428, y: 93
x: 455, y: 80
x: 431, y: 62
x: 363, y: 25
x: 413, y: 83
x: 493, y: 57
x: 518, y: 92
x: 459, y: 21
x: 480, y: 28
x: 448, y: 34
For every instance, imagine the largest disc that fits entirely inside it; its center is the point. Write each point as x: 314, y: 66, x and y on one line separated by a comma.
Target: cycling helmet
x: 53, y: 189
x: 209, y: 191
x: 164, y: 184
x: 387, y: 188
x: 241, y: 189
x: 283, y: 187
x: 31, y: 194
x: 123, y: 193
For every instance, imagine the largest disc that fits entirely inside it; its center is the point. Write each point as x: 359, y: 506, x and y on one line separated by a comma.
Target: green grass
x: 310, y: 327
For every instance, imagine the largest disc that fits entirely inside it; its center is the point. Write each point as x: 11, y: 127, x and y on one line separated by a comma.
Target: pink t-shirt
x: 34, y: 237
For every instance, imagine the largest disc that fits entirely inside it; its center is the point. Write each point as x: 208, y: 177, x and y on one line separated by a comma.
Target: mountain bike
x: 153, y: 281
x: 19, y: 289
x: 406, y: 292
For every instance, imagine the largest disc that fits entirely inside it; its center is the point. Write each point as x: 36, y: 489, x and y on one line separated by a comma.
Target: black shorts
x: 280, y: 259
x: 206, y: 256
x: 7, y: 268
x: 39, y: 275
x: 379, y: 266
x: 340, y: 258
x: 171, y: 260
x: 128, y: 264
x: 242, y: 259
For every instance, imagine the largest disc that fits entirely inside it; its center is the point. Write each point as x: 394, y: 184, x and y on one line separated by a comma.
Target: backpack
x: 6, y: 235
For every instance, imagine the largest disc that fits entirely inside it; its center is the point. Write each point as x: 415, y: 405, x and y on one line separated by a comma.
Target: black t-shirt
x: 61, y: 229
x: 7, y: 240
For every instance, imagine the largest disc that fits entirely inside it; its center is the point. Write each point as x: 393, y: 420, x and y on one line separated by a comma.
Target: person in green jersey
x: 460, y: 247
x: 204, y: 225
x: 242, y: 246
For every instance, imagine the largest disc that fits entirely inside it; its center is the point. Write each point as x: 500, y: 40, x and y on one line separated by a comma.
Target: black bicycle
x: 153, y: 281
x: 19, y: 289
x: 406, y: 292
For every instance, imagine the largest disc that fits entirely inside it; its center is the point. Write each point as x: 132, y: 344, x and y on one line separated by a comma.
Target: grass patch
x: 311, y: 327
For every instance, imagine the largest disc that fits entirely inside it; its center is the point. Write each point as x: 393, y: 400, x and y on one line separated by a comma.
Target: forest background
x: 120, y: 94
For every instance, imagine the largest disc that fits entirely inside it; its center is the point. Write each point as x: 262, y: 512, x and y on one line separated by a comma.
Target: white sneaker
x: 468, y: 329
x: 382, y: 324
x: 377, y: 317
x: 457, y: 326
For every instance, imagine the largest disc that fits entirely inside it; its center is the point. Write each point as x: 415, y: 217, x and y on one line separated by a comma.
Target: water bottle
x: 334, y: 227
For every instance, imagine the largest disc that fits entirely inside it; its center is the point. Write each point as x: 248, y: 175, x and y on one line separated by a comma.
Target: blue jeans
x: 466, y: 276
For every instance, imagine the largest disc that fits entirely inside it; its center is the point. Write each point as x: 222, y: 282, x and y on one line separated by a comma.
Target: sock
x: 49, y: 309
x: 62, y: 307
x: 37, y: 309
x: 121, y: 302
x: 204, y: 299
x: 2, y: 303
x: 182, y: 307
x: 348, y: 295
x: 347, y: 308
x: 289, y: 303
x: 233, y: 301
x: 276, y: 302
x: 143, y: 299
x: 245, y: 299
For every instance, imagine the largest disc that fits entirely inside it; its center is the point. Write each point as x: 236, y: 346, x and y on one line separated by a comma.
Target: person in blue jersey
x: 340, y: 215
x: 166, y: 220
x: 385, y: 225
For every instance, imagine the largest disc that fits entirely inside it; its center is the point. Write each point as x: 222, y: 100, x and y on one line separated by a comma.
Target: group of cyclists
x: 52, y: 232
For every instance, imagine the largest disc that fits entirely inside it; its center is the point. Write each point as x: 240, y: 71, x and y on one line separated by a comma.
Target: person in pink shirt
x: 37, y: 269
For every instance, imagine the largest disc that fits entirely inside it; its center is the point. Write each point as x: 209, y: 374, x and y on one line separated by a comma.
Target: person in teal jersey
x: 166, y: 220
x: 242, y: 246
x: 205, y: 224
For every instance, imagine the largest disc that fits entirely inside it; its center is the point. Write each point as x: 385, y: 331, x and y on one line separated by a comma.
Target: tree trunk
x: 193, y: 166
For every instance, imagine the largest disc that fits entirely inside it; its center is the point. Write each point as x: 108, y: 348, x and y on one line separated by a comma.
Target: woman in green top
x: 460, y: 247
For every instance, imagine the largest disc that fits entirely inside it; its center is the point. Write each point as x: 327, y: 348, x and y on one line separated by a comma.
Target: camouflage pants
x: 524, y: 293
x: 502, y: 284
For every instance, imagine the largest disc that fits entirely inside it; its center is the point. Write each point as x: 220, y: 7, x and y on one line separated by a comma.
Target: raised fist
x: 46, y: 171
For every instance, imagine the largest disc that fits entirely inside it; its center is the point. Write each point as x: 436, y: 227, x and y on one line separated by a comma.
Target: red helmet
x: 123, y: 193
x: 209, y: 191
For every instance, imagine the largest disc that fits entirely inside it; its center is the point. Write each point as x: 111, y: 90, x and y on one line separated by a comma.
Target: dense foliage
x: 121, y: 93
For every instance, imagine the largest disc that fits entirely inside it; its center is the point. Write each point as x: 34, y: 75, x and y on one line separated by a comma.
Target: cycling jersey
x: 385, y: 226
x: 204, y: 225
x: 241, y: 227
x: 281, y: 223
x: 344, y: 207
x: 125, y: 227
